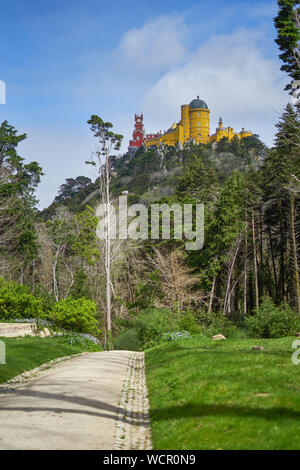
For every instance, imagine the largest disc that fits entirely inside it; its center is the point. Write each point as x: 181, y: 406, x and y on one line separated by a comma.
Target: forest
x: 130, y: 293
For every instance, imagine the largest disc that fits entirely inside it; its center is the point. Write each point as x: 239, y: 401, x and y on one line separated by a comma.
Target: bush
x: 188, y: 323
x: 146, y: 329
x: 16, y: 301
x: 128, y: 340
x: 47, y: 300
x: 271, y: 321
x: 214, y: 323
x: 76, y: 314
x: 223, y: 325
x: 150, y: 326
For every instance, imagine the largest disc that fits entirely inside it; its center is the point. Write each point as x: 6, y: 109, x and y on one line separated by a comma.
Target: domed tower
x: 199, y: 121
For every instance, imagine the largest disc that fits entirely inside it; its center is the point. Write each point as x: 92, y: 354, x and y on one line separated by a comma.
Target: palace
x: 194, y: 126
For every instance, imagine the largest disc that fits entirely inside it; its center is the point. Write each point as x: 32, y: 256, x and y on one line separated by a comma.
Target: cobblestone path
x: 133, y: 427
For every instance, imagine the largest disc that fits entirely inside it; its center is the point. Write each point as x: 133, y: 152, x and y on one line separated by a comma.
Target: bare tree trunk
x: 245, y: 269
x: 211, y: 295
x: 272, y: 256
x: 227, y: 300
x: 108, y: 141
x: 255, y: 262
x: 294, y: 242
x: 108, y: 254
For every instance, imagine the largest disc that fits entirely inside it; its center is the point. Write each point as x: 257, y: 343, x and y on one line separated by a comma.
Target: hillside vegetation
x: 250, y: 253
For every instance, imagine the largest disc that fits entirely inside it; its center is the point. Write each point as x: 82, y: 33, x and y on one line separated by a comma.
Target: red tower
x: 138, y: 133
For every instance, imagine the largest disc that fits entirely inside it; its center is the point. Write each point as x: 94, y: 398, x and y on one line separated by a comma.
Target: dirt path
x: 79, y: 404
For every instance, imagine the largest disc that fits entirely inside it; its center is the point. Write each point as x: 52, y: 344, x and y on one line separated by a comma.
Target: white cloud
x: 152, y: 71
x: 230, y: 73
x: 158, y: 45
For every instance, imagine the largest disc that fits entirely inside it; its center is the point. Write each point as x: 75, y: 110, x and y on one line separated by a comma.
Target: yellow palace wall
x: 194, y: 126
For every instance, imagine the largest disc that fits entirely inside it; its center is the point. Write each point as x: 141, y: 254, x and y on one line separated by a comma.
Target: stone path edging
x: 133, y: 427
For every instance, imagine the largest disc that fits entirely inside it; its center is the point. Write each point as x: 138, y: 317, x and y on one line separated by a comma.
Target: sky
x: 63, y: 61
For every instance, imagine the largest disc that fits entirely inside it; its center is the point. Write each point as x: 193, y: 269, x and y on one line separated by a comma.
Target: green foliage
x: 18, y: 183
x: 151, y: 324
x: 128, y: 340
x: 288, y: 37
x: 80, y: 287
x: 16, y: 301
x: 47, y: 299
x: 284, y: 159
x: 106, y: 137
x: 198, y: 181
x: 146, y: 329
x: 72, y: 187
x: 188, y: 322
x: 84, y: 243
x: 76, y: 314
x: 216, y: 323
x: 146, y: 292
x: 270, y: 321
x: 222, y: 325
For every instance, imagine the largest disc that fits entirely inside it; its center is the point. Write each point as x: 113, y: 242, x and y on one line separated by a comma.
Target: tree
x: 177, y: 281
x: 17, y: 200
x: 108, y: 141
x: 280, y: 209
x: 223, y: 229
x: 71, y: 187
x: 287, y: 23
x: 198, y: 181
x: 67, y: 244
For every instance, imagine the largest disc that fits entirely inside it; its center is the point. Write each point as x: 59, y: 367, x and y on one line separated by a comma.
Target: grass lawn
x: 26, y: 353
x: 208, y: 394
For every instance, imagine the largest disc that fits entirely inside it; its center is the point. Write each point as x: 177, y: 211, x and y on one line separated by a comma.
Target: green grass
x: 204, y: 394
x: 26, y: 353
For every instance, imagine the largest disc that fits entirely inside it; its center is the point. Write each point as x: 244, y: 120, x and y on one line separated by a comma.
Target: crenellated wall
x: 194, y: 126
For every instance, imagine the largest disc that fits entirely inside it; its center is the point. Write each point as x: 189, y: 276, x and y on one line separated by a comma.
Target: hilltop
x: 154, y: 173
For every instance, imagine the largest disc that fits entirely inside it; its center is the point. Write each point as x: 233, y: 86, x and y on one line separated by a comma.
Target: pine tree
x: 288, y: 37
x: 198, y: 181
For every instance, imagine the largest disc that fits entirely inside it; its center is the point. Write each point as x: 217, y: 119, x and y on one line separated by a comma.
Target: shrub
x: 215, y: 323
x: 271, y: 321
x: 151, y: 324
x: 188, y: 322
x: 76, y: 314
x: 48, y: 300
x: 16, y: 301
x: 128, y: 340
x: 223, y: 325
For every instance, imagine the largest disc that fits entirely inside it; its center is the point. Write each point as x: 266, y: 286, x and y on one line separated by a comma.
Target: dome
x: 197, y: 103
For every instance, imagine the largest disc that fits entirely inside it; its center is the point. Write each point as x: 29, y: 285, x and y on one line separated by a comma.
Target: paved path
x: 75, y: 405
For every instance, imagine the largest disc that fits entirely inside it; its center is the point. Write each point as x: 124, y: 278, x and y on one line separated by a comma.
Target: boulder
x: 218, y: 337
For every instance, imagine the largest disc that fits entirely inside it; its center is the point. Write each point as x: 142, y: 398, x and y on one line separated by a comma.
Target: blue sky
x: 65, y: 60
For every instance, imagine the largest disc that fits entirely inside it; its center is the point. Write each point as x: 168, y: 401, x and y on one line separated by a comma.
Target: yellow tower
x: 185, y: 122
x: 199, y: 121
x: 194, y: 126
